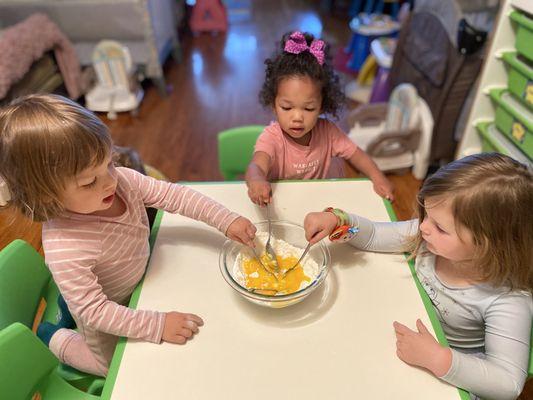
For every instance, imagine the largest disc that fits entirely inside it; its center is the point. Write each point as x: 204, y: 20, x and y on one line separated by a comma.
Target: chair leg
x: 161, y: 85
x: 177, y: 54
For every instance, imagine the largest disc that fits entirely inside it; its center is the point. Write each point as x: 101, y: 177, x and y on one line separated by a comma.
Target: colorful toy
x: 209, y: 16
x: 343, y: 233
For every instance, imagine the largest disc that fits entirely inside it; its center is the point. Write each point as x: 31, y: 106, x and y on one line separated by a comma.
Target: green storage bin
x: 520, y: 77
x: 493, y: 140
x: 524, y: 34
x: 514, y: 120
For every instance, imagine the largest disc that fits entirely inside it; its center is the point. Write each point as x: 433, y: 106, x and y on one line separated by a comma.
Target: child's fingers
x: 317, y: 237
x: 310, y: 232
x: 195, y: 318
x: 251, y: 230
x: 191, y: 325
x: 266, y: 197
x: 421, y: 327
x: 185, y: 332
x: 244, y: 239
x: 178, y: 339
x: 400, y: 328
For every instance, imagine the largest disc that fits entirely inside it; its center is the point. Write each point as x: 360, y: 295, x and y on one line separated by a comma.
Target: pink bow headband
x: 297, y: 44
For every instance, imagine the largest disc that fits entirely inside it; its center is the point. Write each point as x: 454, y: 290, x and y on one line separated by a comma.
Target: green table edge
x: 121, y: 345
x: 463, y: 394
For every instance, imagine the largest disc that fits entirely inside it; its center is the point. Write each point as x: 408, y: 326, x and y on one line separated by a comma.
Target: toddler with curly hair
x: 300, y: 86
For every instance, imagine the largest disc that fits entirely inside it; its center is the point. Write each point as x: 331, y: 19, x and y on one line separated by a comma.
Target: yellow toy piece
x: 368, y: 71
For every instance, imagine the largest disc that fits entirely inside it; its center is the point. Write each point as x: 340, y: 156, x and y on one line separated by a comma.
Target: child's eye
x: 440, y: 229
x: 285, y: 108
x: 89, y: 185
x: 310, y: 109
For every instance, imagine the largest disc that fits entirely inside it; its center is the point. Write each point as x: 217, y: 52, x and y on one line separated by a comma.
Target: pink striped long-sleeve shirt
x: 98, y: 261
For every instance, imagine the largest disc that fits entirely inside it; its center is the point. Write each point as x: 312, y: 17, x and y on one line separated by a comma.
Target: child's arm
x: 176, y: 198
x: 386, y: 237
x: 362, y: 162
x: 259, y: 189
x: 73, y: 273
x: 500, y: 372
x: 74, y: 276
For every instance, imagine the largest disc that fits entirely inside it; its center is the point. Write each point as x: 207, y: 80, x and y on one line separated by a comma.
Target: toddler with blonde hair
x: 56, y: 158
x: 473, y: 246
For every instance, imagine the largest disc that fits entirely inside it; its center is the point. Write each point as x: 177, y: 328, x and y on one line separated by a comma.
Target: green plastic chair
x: 235, y: 150
x: 24, y: 281
x: 28, y: 367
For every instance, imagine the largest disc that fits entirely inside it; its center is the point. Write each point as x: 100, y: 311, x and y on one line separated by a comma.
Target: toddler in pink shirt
x: 300, y: 86
x: 56, y: 158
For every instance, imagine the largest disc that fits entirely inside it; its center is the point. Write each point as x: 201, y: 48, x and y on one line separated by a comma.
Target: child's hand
x: 384, y: 188
x: 421, y: 349
x: 242, y: 231
x: 260, y: 192
x: 318, y: 225
x: 180, y: 327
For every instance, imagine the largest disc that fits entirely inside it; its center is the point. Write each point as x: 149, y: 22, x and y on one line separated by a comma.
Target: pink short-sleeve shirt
x: 322, y: 159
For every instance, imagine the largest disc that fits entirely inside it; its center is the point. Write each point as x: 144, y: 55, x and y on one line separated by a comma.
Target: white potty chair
x: 397, y: 134
x: 115, y: 90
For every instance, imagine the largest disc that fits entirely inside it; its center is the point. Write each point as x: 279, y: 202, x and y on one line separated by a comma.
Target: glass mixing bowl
x: 290, y: 233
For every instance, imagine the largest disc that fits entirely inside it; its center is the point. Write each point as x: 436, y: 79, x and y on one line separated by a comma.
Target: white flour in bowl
x: 282, y: 249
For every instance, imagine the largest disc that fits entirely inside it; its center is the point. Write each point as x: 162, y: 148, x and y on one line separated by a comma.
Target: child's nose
x: 424, y: 228
x: 297, y: 116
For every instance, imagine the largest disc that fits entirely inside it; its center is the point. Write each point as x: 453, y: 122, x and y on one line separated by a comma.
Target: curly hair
x: 283, y: 64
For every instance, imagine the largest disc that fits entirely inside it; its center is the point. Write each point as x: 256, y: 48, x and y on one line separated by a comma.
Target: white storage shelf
x: 493, y: 75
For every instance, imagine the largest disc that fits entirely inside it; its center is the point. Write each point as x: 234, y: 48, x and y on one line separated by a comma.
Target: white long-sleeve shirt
x: 488, y: 328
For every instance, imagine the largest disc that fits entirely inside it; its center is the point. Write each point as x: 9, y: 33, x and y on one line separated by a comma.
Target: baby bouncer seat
x: 115, y: 90
x: 397, y: 134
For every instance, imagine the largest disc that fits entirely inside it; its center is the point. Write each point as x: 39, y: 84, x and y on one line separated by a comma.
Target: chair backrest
x: 28, y: 367
x: 26, y: 362
x: 402, y: 110
x: 24, y: 281
x: 112, y: 63
x: 235, y: 149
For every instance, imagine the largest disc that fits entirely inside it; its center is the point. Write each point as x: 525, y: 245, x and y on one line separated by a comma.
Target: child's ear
x: 5, y: 194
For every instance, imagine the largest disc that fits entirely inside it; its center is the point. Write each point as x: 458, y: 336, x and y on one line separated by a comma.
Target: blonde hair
x: 44, y: 141
x: 492, y: 196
